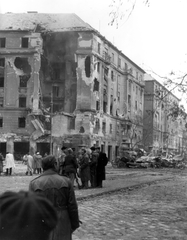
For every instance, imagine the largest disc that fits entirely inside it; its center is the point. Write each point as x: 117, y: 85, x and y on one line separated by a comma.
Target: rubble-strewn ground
x: 152, y: 204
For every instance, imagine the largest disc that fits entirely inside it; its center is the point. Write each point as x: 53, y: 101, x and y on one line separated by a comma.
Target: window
x: 113, y: 57
x: 25, y: 42
x: 98, y: 67
x: 129, y: 102
x: 1, y: 122
x: 112, y: 75
x: 23, y: 80
x: 110, y: 127
x: 104, y: 101
x: 2, y: 42
x: 55, y: 91
x: 118, y: 96
x: 136, y: 75
x: 22, y: 102
x: 136, y: 105
x: 97, y: 105
x: 99, y: 48
x: 2, y: 65
x: 21, y: 122
x: 111, y: 104
x: 104, y: 127
x: 1, y: 101
x: 119, y: 62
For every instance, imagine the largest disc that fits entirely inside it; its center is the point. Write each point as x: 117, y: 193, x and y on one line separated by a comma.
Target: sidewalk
x: 118, y: 179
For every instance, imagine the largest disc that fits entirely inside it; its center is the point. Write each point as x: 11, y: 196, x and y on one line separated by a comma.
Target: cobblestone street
x: 152, y: 212
x: 149, y: 204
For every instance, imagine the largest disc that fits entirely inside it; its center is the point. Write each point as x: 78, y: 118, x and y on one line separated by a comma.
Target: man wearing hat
x: 61, y: 160
x: 26, y: 216
x: 59, y: 190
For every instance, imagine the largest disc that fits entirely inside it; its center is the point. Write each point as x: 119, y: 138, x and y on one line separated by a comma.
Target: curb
x: 125, y: 188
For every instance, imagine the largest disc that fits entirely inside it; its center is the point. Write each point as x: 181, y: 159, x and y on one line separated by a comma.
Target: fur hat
x: 48, y: 162
x: 26, y: 215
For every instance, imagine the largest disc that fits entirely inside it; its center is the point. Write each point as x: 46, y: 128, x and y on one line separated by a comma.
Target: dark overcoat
x: 60, y: 192
x: 102, y: 161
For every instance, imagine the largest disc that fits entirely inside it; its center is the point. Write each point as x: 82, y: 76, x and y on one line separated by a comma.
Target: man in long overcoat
x: 93, y: 167
x: 100, y: 169
x: 59, y: 190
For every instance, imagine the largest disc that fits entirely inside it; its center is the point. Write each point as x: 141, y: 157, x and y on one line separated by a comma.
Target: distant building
x: 57, y: 67
x: 161, y: 131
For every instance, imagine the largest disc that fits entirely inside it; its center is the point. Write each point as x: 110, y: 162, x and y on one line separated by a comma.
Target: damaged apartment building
x: 63, y: 84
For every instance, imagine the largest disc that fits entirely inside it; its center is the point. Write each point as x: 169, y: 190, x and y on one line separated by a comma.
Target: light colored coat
x: 9, y: 161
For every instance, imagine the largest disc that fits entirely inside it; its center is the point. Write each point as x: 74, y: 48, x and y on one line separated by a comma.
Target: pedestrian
x: 28, y: 160
x: 59, y: 190
x: 26, y: 216
x: 84, y: 168
x: 61, y: 160
x: 9, y: 163
x: 37, y: 162
x: 1, y: 163
x: 100, y: 169
x: 70, y: 165
x: 93, y: 166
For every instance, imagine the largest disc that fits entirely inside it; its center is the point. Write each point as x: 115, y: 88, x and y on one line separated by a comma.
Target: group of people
x: 47, y: 211
x: 88, y: 165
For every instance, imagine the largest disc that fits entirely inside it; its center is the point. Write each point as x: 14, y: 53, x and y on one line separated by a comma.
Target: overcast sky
x: 154, y: 37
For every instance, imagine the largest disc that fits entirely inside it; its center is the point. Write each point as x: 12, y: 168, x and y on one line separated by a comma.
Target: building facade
x: 63, y: 83
x: 161, y: 130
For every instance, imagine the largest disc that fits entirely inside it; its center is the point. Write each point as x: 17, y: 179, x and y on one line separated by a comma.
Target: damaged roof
x: 57, y: 22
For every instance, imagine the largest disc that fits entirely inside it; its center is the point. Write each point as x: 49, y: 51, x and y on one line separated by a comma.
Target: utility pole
x: 51, y: 118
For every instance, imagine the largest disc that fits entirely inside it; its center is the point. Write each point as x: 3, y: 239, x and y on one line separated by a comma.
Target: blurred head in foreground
x: 26, y: 216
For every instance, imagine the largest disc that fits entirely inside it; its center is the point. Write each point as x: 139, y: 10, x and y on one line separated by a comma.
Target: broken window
x: 1, y: 122
x: 96, y: 85
x: 25, y: 42
x: 88, y: 66
x: 58, y: 71
x: 23, y: 80
x: 21, y: 122
x: 1, y: 101
x: 22, y: 102
x: 2, y: 42
x: 56, y: 91
x: 2, y: 65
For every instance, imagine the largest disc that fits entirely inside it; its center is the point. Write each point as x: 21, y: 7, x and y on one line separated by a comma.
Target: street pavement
x: 134, y: 204
x: 155, y: 212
